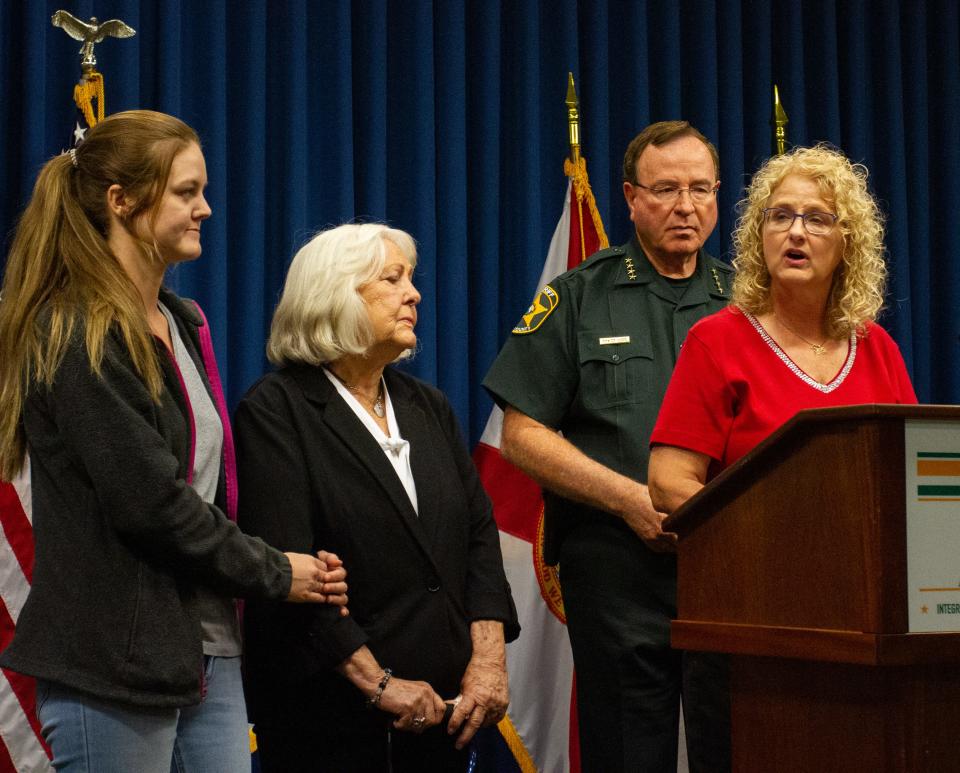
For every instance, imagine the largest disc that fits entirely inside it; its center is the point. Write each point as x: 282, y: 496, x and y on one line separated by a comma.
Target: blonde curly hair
x: 856, y: 295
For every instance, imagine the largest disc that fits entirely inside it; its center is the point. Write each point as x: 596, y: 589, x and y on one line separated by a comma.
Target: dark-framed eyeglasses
x: 777, y: 219
x: 699, y: 194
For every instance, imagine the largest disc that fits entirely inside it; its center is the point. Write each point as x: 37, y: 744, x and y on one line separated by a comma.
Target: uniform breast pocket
x: 615, y: 368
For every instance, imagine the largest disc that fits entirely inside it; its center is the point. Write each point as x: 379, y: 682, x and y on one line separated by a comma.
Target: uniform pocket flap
x: 612, y: 346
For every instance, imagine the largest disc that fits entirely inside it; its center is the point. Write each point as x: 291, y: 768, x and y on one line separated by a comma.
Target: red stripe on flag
x: 24, y: 687
x: 6, y: 764
x: 576, y: 252
x: 7, y: 626
x: 574, y: 744
x: 517, y: 501
x: 17, y: 528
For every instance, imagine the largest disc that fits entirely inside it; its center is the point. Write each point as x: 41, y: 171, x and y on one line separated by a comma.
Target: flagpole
x: 573, y: 126
x: 780, y: 122
x: 573, y: 120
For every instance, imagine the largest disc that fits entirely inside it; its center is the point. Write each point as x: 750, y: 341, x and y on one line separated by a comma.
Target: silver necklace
x: 377, y: 403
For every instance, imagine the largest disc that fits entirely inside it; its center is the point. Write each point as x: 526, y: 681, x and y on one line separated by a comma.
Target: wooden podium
x: 794, y: 561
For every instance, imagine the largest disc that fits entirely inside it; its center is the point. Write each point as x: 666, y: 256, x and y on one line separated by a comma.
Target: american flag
x: 21, y: 748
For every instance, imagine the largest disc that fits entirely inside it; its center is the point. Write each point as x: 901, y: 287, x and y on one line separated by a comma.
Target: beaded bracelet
x: 373, y: 702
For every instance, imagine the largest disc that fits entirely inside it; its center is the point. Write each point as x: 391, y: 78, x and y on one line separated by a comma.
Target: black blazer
x: 311, y: 476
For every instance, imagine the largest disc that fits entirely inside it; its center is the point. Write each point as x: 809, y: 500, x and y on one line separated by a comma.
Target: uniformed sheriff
x: 580, y: 380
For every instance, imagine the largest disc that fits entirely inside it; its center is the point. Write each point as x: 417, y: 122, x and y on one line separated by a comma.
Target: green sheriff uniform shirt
x: 592, y: 358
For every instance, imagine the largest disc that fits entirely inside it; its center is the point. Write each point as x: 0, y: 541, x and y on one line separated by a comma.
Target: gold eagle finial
x: 90, y: 33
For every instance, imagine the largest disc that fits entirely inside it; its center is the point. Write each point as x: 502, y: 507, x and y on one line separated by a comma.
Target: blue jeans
x: 89, y: 735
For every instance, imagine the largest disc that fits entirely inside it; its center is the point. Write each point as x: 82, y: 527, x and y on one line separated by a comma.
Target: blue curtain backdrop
x: 447, y: 119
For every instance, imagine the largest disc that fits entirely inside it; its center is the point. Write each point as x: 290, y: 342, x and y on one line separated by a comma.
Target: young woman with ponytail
x: 108, y: 380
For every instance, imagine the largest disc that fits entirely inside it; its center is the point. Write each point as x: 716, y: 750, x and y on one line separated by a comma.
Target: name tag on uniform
x: 606, y: 340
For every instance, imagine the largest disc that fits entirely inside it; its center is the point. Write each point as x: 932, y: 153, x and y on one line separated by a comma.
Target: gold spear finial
x: 780, y: 122
x: 573, y: 119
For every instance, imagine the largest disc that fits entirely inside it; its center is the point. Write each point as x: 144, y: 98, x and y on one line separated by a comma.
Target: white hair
x: 321, y: 316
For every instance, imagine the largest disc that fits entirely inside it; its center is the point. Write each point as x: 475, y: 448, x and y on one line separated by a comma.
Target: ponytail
x: 61, y: 267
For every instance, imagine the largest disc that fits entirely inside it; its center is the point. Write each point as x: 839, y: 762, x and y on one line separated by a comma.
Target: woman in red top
x: 800, y: 332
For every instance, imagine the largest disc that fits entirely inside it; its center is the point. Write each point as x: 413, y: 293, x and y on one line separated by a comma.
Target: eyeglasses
x: 815, y: 223
x: 699, y: 194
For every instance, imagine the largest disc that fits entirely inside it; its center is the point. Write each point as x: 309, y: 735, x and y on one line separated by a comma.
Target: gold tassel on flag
x: 581, y: 184
x: 90, y: 88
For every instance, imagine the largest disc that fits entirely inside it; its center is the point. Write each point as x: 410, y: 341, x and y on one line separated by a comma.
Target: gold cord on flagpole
x: 780, y: 122
x: 88, y: 89
x: 581, y: 185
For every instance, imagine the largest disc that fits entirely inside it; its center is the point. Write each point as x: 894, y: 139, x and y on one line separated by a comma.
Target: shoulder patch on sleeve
x: 541, y: 308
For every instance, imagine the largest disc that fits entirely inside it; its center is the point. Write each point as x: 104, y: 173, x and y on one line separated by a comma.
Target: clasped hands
x: 647, y: 523
x: 482, y: 702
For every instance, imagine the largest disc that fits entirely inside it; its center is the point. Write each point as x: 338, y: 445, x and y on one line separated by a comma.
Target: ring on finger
x: 418, y: 722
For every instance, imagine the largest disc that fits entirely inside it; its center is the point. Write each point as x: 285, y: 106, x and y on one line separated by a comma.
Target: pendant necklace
x: 818, y: 349
x: 378, y: 403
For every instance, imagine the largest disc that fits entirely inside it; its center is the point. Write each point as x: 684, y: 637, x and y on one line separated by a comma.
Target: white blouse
x: 395, y: 448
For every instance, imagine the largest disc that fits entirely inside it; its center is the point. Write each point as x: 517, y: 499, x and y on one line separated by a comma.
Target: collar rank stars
x: 541, y: 308
x: 631, y: 270
x: 716, y: 280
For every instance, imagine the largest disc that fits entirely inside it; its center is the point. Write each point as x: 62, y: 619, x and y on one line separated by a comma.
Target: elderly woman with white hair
x: 336, y: 448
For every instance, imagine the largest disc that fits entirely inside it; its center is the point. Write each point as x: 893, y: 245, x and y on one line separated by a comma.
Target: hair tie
x: 73, y: 157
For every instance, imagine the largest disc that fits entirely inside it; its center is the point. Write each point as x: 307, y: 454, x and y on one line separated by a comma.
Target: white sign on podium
x: 932, y: 454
